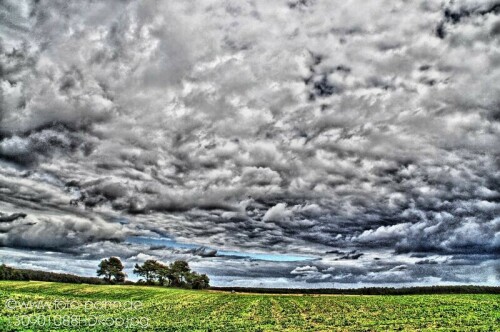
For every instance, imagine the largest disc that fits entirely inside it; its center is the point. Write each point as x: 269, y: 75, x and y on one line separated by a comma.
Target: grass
x: 43, y: 306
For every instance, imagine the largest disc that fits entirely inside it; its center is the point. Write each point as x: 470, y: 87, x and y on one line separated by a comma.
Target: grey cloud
x: 298, y: 127
x: 59, y: 233
x: 12, y: 217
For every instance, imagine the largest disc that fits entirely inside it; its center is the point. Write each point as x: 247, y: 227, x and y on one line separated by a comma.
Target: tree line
x: 414, y: 290
x: 10, y: 273
x: 175, y: 274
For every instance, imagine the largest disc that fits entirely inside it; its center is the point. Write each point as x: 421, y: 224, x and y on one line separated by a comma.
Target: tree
x: 111, y: 268
x: 103, y: 270
x: 116, y: 268
x: 151, y: 270
x: 178, y: 272
x: 163, y: 271
x: 198, y: 281
x: 120, y: 276
x: 180, y: 266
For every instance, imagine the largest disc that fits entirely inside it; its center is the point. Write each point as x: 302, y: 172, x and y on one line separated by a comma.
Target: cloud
x: 12, y: 217
x: 278, y: 212
x: 305, y: 270
x: 58, y: 233
x: 302, y: 127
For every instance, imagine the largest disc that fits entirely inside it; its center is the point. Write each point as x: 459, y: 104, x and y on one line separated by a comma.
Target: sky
x: 287, y: 143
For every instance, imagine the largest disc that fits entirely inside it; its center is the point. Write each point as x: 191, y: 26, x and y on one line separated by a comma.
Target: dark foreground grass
x: 42, y: 306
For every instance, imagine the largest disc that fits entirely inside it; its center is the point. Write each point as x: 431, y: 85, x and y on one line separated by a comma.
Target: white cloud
x: 279, y: 212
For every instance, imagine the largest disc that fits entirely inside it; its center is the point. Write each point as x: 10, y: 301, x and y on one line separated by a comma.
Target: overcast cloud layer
x: 362, y: 134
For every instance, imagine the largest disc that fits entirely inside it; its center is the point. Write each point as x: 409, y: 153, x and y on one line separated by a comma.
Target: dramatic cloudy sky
x: 298, y: 143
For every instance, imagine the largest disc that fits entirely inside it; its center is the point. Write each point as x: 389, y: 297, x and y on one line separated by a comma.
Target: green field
x: 41, y: 306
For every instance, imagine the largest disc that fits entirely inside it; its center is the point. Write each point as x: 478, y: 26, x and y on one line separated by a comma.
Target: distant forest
x: 10, y: 273
x: 462, y: 289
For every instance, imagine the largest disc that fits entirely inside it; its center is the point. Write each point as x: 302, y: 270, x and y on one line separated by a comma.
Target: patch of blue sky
x: 171, y: 243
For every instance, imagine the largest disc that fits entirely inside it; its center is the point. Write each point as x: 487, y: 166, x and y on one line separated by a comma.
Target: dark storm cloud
x: 290, y: 127
x: 58, y: 234
x: 12, y: 217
